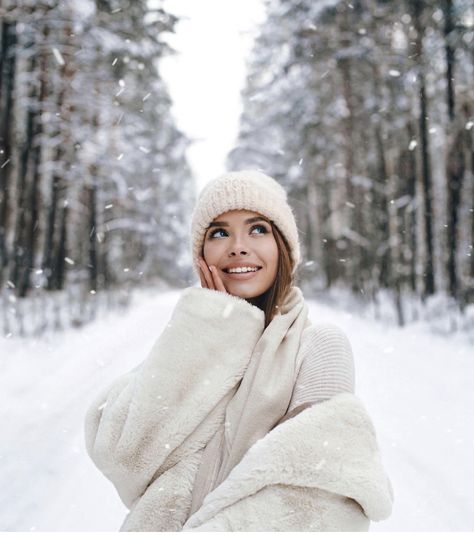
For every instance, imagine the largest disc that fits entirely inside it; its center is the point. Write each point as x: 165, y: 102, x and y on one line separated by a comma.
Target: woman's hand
x: 210, y: 277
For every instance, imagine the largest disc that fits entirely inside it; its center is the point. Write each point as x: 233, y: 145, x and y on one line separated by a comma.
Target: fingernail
x: 210, y: 267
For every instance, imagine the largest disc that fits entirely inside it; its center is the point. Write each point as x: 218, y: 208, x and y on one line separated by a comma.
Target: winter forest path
x: 416, y: 386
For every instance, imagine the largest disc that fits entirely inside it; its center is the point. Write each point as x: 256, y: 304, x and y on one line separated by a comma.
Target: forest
x: 363, y: 110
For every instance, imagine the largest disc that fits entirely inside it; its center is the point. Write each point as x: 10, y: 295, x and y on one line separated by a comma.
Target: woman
x: 243, y: 417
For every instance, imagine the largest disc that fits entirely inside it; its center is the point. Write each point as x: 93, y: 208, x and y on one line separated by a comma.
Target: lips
x: 241, y: 276
x: 241, y: 264
x: 234, y: 267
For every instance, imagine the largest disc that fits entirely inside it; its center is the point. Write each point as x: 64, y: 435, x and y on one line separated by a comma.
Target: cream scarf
x: 261, y: 398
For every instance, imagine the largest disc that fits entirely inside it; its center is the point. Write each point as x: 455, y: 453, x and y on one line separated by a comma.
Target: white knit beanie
x: 244, y: 190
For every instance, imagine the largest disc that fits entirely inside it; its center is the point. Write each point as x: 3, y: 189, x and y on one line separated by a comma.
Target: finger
x: 207, y: 274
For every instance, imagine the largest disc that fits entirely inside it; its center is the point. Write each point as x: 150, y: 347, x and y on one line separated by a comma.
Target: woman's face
x: 242, y: 238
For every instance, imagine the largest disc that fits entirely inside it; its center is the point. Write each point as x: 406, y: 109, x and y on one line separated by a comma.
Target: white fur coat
x: 318, y: 471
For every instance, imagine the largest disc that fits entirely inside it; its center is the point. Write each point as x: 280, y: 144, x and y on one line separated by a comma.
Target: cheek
x: 210, y: 251
x: 271, y: 254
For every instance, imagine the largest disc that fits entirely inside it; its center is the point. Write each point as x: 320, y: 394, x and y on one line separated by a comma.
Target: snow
x: 416, y: 385
x: 58, y: 56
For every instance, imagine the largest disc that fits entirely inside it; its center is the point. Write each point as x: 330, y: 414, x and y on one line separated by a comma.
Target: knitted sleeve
x: 327, y: 368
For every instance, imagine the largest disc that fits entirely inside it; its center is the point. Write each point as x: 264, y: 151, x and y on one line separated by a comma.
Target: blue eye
x: 264, y: 230
x: 211, y: 234
x: 260, y: 226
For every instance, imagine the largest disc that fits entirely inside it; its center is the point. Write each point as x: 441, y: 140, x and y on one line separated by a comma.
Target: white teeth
x: 241, y: 270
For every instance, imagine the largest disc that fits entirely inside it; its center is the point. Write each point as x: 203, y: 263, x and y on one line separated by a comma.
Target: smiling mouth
x: 242, y: 274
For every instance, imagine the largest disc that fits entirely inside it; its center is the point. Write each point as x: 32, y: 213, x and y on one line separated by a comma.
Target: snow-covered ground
x: 417, y: 386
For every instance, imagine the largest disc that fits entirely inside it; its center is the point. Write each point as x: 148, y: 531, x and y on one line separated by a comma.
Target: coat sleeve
x: 135, y: 427
x: 327, y: 367
x: 290, y: 508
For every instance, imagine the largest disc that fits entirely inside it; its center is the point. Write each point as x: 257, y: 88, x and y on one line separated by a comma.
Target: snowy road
x: 417, y: 387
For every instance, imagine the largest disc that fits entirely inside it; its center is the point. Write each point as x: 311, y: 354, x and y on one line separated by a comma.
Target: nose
x: 242, y: 252
x: 237, y: 247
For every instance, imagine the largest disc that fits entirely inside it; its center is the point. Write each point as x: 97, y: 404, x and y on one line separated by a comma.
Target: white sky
x: 206, y: 77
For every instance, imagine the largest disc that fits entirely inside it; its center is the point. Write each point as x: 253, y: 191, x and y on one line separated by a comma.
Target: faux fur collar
x: 330, y: 446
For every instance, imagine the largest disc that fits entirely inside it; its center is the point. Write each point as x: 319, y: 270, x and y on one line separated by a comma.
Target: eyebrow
x: 247, y: 221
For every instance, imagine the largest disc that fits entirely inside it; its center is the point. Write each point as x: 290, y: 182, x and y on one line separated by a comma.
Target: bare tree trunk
x: 380, y: 204
x: 7, y: 83
x: 314, y: 250
x: 450, y: 57
x: 91, y: 196
x: 19, y: 264
x: 471, y: 165
x: 351, y: 255
x: 33, y: 200
x: 395, y: 236
x: 49, y: 245
x: 54, y: 250
x: 471, y: 270
x: 382, y: 214
x: 429, y: 284
x: 59, y: 266
x: 411, y: 222
x: 455, y: 173
x: 29, y: 179
x: 329, y: 256
x: 455, y: 167
x: 467, y: 294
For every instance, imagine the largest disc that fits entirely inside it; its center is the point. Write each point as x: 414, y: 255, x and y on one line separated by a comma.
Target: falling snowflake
x: 58, y: 56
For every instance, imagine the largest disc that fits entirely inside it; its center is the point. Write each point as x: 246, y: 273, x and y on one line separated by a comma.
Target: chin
x: 246, y: 294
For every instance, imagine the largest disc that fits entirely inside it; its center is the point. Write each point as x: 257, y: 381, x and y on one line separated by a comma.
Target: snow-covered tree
x: 95, y: 186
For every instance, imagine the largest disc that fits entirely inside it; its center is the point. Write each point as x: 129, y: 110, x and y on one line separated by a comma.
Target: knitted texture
x: 327, y: 367
x: 244, y: 190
